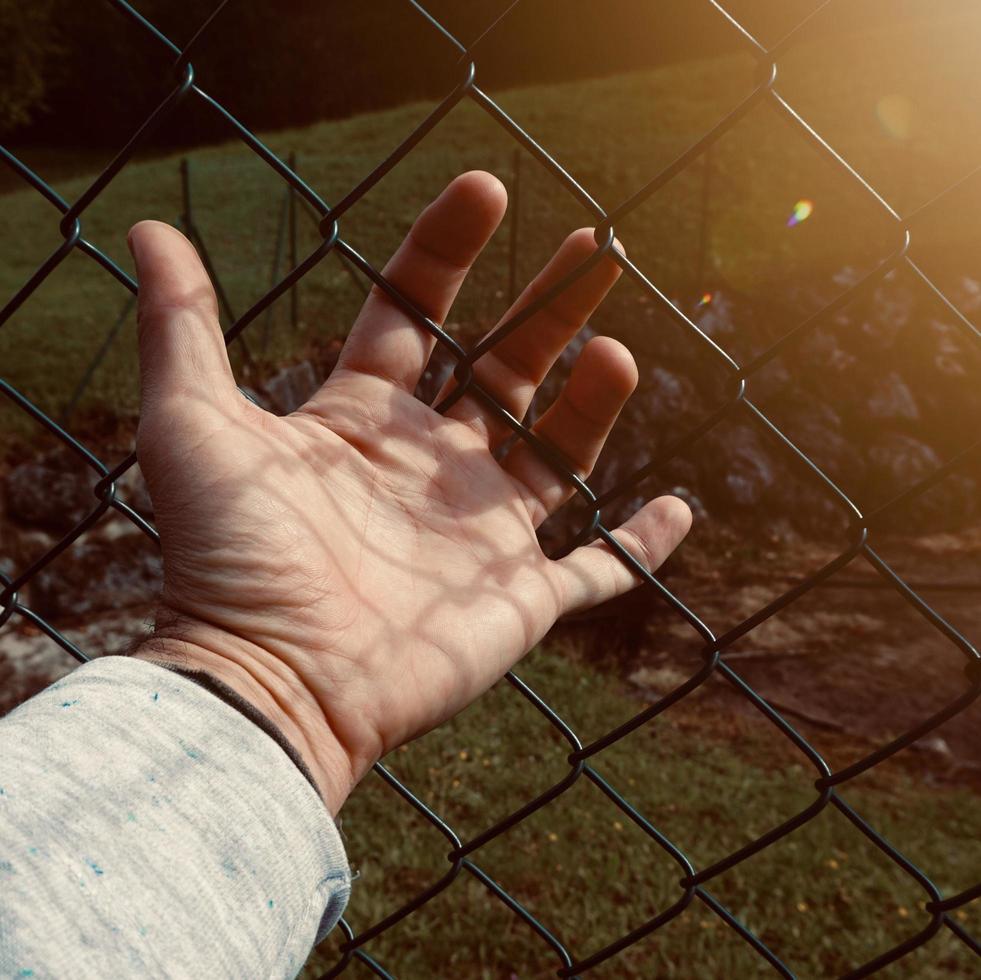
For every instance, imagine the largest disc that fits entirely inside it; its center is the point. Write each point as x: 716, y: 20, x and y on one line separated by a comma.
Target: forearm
x: 150, y: 829
x: 266, y: 683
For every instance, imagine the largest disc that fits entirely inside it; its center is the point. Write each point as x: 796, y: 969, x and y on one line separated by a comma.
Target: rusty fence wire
x: 695, y: 883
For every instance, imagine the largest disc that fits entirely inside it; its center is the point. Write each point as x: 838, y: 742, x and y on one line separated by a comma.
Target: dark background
x: 76, y: 72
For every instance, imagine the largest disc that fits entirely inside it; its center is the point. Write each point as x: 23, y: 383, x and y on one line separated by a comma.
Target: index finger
x: 428, y: 269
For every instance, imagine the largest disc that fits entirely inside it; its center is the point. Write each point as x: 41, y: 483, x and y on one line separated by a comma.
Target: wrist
x: 266, y: 683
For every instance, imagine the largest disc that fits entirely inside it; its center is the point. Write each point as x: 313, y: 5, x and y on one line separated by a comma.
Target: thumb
x: 182, y: 351
x: 594, y: 573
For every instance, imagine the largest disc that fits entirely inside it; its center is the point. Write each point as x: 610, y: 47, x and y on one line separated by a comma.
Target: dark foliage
x: 322, y: 58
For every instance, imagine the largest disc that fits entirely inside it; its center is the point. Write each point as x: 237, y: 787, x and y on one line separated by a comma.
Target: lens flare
x: 705, y: 300
x: 801, y: 212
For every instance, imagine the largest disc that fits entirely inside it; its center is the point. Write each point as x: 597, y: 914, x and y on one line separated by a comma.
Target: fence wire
x: 694, y: 883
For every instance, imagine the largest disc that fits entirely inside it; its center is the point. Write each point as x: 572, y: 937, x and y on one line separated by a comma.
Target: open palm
x: 366, y: 563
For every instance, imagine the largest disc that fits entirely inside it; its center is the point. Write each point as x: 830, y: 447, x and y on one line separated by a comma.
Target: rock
x: 811, y: 507
x: 98, y: 573
x: 738, y: 472
x: 656, y: 682
x: 29, y: 662
x: 743, y: 479
x: 782, y: 532
x: 24, y: 545
x: 949, y: 355
x: 970, y: 295
x: 892, y: 309
x: 771, y: 382
x: 890, y: 399
x: 897, y: 461
x: 55, y: 492
x: 718, y: 318
x: 816, y: 429
x: 935, y: 744
x: 665, y: 398
x: 846, y: 277
x: 821, y: 351
x: 289, y: 388
x: 112, y: 541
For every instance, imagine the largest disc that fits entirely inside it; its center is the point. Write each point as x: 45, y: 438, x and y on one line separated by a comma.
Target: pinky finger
x: 595, y: 573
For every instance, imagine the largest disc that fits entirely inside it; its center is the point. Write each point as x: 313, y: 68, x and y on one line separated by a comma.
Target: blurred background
x: 749, y: 240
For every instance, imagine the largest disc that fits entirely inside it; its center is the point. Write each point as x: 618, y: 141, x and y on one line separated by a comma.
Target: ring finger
x: 512, y: 369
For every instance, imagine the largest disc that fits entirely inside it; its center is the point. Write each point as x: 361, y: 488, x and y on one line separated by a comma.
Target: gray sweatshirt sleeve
x: 149, y: 829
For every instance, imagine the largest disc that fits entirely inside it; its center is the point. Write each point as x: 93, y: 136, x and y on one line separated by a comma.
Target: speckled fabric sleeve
x: 149, y: 829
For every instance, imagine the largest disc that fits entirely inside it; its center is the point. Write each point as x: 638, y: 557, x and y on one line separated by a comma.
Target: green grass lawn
x: 612, y: 134
x: 824, y: 899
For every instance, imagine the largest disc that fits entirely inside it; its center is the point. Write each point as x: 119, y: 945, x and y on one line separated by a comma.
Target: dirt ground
x: 851, y: 664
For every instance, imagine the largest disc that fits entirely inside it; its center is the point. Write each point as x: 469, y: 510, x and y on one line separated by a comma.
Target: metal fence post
x: 514, y: 224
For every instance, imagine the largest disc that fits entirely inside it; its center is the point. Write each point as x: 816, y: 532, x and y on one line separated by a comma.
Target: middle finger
x: 512, y: 370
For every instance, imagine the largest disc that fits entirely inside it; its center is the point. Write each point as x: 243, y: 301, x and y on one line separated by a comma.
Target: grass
x: 824, y: 899
x: 612, y: 134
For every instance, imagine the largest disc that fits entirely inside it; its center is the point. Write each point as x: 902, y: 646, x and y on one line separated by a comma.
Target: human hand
x: 364, y: 568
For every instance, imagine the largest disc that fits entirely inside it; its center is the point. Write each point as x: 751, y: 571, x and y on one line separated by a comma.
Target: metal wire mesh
x: 695, y: 883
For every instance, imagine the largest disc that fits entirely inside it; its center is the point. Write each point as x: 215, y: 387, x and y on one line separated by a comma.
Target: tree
x: 29, y: 49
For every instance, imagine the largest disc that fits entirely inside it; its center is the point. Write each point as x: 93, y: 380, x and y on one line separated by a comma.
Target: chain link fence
x: 695, y: 884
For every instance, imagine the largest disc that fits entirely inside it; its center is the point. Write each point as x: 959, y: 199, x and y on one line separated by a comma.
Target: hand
x: 364, y: 568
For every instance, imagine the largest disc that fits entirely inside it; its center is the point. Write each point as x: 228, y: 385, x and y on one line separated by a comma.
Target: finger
x: 595, y: 573
x: 576, y: 424
x: 513, y: 369
x: 428, y: 269
x: 182, y: 350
